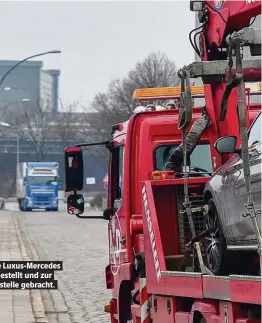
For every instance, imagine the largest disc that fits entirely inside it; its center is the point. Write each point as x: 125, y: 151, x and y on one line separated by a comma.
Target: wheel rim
x: 212, y: 242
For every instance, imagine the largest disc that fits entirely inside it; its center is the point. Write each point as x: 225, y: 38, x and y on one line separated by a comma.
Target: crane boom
x: 224, y: 17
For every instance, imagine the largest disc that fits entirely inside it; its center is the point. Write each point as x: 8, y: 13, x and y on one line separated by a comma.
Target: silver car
x: 234, y: 235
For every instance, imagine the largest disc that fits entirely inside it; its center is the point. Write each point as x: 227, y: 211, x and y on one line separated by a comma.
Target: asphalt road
x: 82, y: 246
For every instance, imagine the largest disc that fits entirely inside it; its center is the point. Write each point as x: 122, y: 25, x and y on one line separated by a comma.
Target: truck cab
x: 37, y: 186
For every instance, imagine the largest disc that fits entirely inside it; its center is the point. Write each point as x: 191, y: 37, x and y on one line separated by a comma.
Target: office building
x: 28, y: 83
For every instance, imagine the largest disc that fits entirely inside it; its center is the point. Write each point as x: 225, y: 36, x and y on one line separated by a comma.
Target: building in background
x: 28, y: 82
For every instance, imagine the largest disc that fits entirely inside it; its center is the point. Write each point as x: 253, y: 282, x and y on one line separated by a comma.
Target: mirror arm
x: 102, y: 143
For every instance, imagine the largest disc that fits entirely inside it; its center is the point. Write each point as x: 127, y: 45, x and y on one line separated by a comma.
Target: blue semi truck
x: 37, y: 185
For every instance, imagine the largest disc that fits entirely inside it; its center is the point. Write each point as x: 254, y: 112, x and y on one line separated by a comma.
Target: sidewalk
x: 17, y: 306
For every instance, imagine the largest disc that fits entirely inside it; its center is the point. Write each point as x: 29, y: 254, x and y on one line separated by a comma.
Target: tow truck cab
x: 135, y: 158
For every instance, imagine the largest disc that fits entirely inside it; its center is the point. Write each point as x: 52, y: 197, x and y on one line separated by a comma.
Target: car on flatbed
x: 227, y: 197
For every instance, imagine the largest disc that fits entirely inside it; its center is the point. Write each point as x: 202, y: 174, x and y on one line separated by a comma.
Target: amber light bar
x: 171, y: 93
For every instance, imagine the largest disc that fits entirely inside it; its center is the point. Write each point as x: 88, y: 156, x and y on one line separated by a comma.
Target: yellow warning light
x: 165, y: 93
x: 171, y: 93
x: 107, y: 308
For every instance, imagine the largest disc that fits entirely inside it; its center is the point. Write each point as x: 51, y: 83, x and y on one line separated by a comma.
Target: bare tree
x: 33, y: 119
x: 156, y: 70
x: 64, y: 124
x: 116, y: 105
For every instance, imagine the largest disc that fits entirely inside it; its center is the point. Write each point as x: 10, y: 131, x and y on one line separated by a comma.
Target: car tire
x: 215, y: 243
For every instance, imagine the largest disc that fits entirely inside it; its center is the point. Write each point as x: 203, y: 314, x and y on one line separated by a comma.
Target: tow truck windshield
x: 201, y: 157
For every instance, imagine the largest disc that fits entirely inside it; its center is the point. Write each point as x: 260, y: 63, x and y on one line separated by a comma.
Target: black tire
x: 19, y: 204
x: 215, y: 243
x: 22, y: 205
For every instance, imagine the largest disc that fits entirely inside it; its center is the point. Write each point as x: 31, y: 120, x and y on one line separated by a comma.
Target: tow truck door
x: 116, y: 226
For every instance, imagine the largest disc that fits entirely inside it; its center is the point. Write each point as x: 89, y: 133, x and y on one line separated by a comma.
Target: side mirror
x: 226, y: 145
x: 74, y: 169
x: 75, y: 204
x: 196, y: 5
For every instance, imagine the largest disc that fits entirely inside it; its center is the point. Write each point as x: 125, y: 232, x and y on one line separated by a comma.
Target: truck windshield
x: 44, y: 180
x: 201, y: 157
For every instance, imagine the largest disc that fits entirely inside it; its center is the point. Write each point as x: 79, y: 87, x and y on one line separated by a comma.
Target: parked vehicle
x: 234, y: 230
x: 37, y: 185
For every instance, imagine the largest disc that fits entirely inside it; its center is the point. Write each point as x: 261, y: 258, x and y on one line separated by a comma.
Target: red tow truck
x: 157, y: 262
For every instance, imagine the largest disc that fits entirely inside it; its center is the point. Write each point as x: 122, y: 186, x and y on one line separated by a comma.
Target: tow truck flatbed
x: 234, y: 288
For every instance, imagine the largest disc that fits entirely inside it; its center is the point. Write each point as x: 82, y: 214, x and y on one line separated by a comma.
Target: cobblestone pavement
x: 82, y: 245
x: 17, y: 306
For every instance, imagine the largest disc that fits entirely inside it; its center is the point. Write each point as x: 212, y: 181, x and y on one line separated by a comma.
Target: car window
x: 255, y: 132
x: 201, y: 157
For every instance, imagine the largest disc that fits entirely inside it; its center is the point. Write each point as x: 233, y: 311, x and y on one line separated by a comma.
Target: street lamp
x: 26, y: 59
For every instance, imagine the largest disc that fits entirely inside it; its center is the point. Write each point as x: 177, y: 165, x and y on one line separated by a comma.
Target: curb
x: 35, y: 295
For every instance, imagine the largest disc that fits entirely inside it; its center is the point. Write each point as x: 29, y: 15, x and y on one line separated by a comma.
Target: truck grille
x: 42, y: 198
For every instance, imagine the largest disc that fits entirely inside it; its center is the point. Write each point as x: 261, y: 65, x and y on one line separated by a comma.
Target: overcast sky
x: 99, y: 40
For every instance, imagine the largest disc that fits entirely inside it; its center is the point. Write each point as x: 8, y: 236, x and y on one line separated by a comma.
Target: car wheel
x: 215, y: 244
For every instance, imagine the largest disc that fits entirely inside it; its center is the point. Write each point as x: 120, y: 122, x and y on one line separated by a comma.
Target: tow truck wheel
x: 215, y: 244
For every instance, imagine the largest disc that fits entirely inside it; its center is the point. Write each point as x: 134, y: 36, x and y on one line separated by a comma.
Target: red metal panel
x: 179, y: 284
x: 163, y: 309
x: 180, y: 181
x: 246, y: 320
x: 135, y: 310
x: 166, y: 208
x: 216, y: 287
x: 245, y: 289
x: 182, y: 317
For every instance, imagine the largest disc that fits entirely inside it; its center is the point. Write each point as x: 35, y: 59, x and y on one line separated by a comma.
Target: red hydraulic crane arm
x: 223, y: 25
x: 224, y: 17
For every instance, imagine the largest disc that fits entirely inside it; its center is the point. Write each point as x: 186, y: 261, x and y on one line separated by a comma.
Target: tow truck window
x: 117, y: 172
x: 120, y: 168
x: 201, y: 157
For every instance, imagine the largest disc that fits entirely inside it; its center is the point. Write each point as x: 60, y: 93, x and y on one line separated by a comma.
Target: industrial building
x: 30, y: 84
